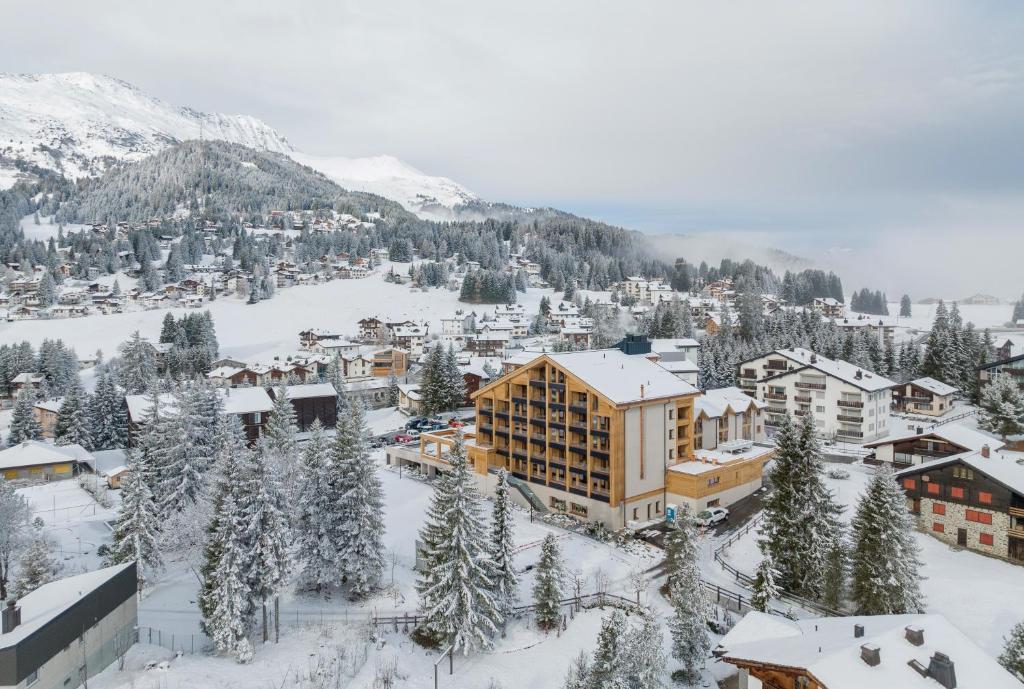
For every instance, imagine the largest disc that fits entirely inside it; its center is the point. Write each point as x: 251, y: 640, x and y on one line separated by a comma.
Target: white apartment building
x: 846, y: 402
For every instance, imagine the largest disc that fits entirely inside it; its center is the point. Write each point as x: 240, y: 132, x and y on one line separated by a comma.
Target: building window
x: 979, y: 517
x: 937, y: 527
x: 671, y: 454
x: 963, y: 472
x: 985, y: 498
x: 909, y: 483
x: 934, y: 488
x: 956, y: 492
x: 671, y: 414
x: 938, y: 508
x: 32, y: 678
x: 714, y: 481
x: 985, y: 539
x: 636, y: 513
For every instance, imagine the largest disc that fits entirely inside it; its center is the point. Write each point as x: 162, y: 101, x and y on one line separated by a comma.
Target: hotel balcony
x: 849, y: 433
x: 774, y: 396
x: 851, y: 404
x: 850, y: 419
x: 808, y: 385
x: 800, y: 399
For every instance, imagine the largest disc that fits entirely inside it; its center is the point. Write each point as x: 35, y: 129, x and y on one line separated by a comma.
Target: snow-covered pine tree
x: 394, y: 393
x: 1002, y: 407
x: 72, y: 425
x: 454, y: 585
x: 37, y: 567
x: 905, y: 307
x: 884, y: 558
x: 547, y: 587
x: 108, y: 421
x: 183, y: 462
x: 316, y: 551
x: 138, y: 524
x: 1012, y: 657
x: 360, y: 507
x: 609, y: 655
x: 578, y: 676
x: 24, y: 425
x: 262, y: 505
x: 138, y: 365
x: 335, y: 376
x: 690, y: 608
x: 834, y: 577
x: 680, y: 548
x: 279, y: 445
x: 233, y: 616
x: 432, y: 381
x: 765, y: 588
x: 505, y: 579
x: 644, y: 661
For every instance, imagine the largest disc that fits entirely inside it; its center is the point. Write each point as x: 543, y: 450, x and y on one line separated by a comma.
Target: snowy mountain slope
x: 76, y: 123
x: 429, y: 197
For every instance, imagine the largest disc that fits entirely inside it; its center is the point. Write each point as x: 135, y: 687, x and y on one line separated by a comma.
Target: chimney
x: 641, y: 390
x: 871, y: 654
x: 10, y: 617
x: 859, y: 374
x: 915, y: 635
x: 858, y: 631
x: 985, y: 451
x: 940, y: 668
x: 814, y: 358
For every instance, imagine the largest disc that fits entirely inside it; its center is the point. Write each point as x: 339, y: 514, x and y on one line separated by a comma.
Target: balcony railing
x: 802, y: 400
x: 775, y: 410
x: 801, y: 412
x: 849, y: 433
x: 850, y: 419
x: 806, y: 385
x: 774, y: 396
x: 851, y: 404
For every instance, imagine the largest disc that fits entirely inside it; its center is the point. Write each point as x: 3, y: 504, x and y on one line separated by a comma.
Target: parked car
x: 405, y: 437
x: 378, y: 442
x: 711, y: 516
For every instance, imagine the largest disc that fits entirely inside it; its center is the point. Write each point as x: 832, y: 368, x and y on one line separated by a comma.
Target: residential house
x: 884, y: 330
x: 334, y: 346
x: 924, y: 396
x: 388, y: 362
x: 41, y: 461
x: 250, y: 405
x: 313, y: 402
x: 26, y: 380
x: 878, y: 652
x: 846, y: 402
x: 309, y: 337
x: 1013, y: 366
x: 972, y: 500
x: 828, y: 307
x: 68, y: 630
x: 46, y: 412
x: 457, y: 325
x: 922, y: 445
x: 372, y: 330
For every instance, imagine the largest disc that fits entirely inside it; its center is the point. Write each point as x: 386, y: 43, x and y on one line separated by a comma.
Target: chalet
x: 232, y: 376
x: 372, y: 329
x: 355, y: 366
x: 924, y: 396
x: 32, y: 381
x: 578, y: 338
x: 973, y: 500
x: 457, y: 325
x: 68, y: 630
x: 371, y: 392
x: 927, y: 444
x: 314, y: 402
x: 308, y: 338
x: 828, y: 307
x: 334, y: 347
x: 410, y: 400
x: 36, y: 460
x: 1004, y: 350
x: 378, y: 256
x: 410, y: 338
x: 250, y: 405
x: 46, y: 412
x: 878, y: 651
x: 482, y: 345
x: 1013, y: 366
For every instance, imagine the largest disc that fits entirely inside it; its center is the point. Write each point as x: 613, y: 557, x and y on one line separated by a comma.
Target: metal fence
x: 186, y: 644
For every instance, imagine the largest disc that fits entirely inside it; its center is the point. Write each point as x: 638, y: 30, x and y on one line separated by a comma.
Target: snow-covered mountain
x: 429, y: 197
x: 78, y: 123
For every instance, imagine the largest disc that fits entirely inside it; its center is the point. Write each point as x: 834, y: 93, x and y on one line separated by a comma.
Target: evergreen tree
x: 360, y: 506
x: 547, y: 588
x: 317, y: 552
x: 884, y: 561
x: 690, y: 608
x: 609, y: 657
x: 138, y: 365
x: 267, y: 530
x: 15, y: 515
x: 1002, y: 407
x: 578, y: 676
x: 24, y: 425
x: 138, y: 525
x: 765, y: 588
x: 394, y: 394
x: 1012, y: 657
x: 645, y: 655
x: 680, y: 549
x: 453, y: 384
x: 37, y: 567
x: 108, y: 420
x: 905, y: 307
x: 454, y: 586
x: 506, y: 581
x: 1018, y: 311
x: 233, y: 613
x: 279, y: 444
x: 183, y: 456
x: 72, y: 426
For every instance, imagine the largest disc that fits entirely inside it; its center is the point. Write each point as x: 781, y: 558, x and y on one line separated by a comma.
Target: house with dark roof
x: 973, y: 500
x: 925, y: 444
x: 1013, y: 367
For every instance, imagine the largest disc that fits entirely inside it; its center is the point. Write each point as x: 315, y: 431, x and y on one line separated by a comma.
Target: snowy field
x: 982, y: 596
x: 255, y: 331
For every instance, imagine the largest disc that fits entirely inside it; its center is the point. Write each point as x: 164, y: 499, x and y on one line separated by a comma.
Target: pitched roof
x: 621, y: 378
x: 35, y: 452
x: 936, y: 387
x: 1003, y: 467
x: 298, y: 392
x: 843, y: 370
x: 962, y: 436
x: 715, y: 403
x: 828, y: 650
x: 236, y: 401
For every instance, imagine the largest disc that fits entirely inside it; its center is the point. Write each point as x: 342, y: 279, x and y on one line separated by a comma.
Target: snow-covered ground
x: 982, y: 596
x: 254, y: 331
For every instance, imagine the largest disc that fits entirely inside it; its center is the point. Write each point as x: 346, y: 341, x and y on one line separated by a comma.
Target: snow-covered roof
x: 675, y: 344
x: 963, y: 436
x: 35, y: 452
x: 27, y: 378
x: 298, y: 392
x: 48, y: 601
x: 843, y: 370
x: 715, y: 403
x: 236, y: 401
x: 107, y: 462
x: 50, y: 405
x: 621, y: 378
x: 522, y: 358
x: 1005, y: 467
x: 224, y: 372
x: 680, y: 366
x: 827, y: 649
x: 936, y: 387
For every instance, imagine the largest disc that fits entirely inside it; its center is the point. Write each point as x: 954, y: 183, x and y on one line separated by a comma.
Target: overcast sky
x: 805, y: 125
